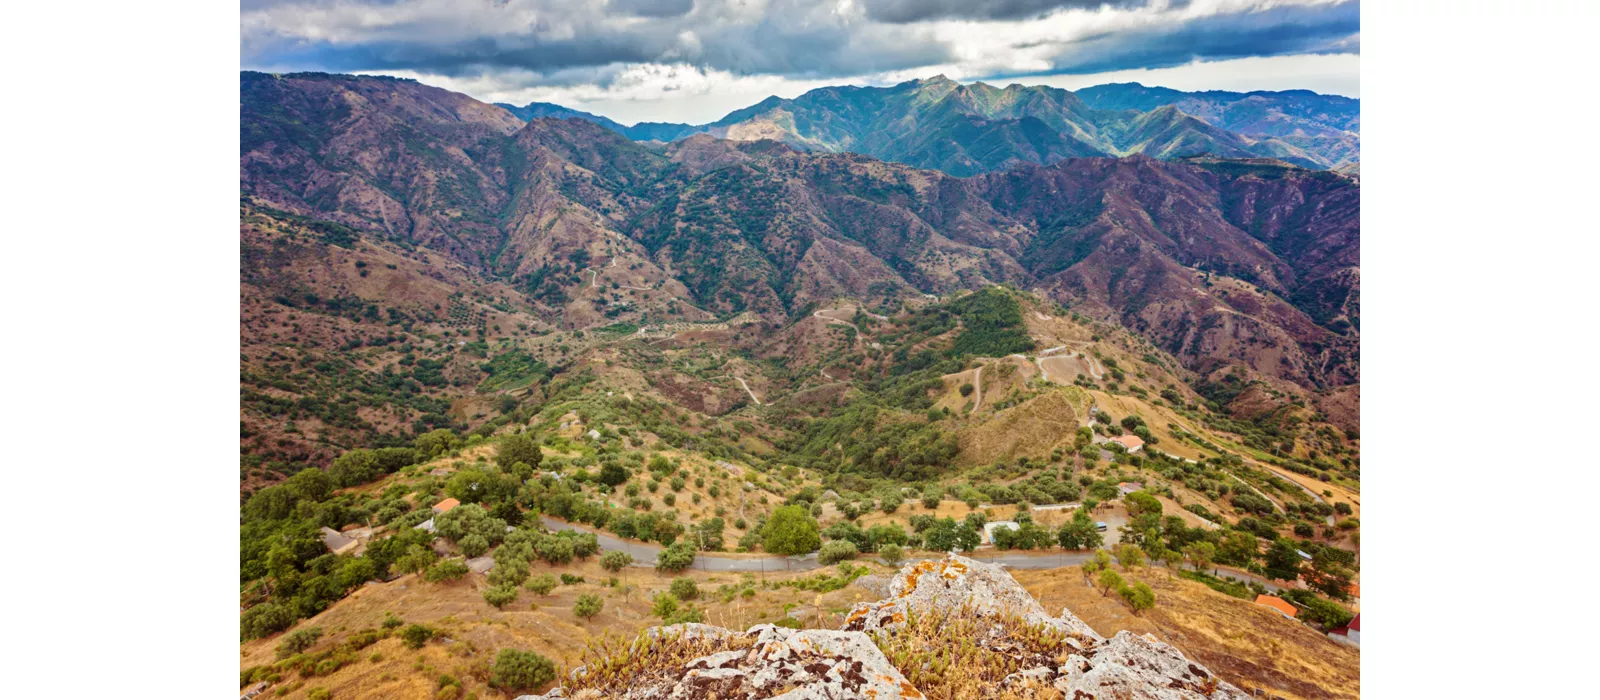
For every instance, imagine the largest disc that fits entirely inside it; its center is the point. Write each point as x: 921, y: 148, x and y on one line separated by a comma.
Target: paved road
x: 644, y: 555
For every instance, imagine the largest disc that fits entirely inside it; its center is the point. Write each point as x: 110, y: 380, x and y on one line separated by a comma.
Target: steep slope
x: 1328, y: 126
x: 1216, y: 261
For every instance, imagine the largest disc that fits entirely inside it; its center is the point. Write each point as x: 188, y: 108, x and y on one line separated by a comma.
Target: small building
x: 1131, y: 443
x: 989, y: 529
x: 426, y: 525
x: 1128, y: 487
x: 1282, y: 606
x: 441, y: 471
x: 593, y: 434
x: 1303, y: 555
x: 337, y: 542
x: 445, y: 506
x: 1348, y: 634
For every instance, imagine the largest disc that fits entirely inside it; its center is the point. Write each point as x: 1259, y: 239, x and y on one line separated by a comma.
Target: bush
x: 571, y: 579
x: 837, y: 551
x: 499, y: 596
x: 416, y: 635
x: 518, y: 448
x: 891, y: 554
x: 588, y: 605
x: 1138, y: 597
x: 684, y: 589
x: 675, y: 558
x: 615, y: 561
x: 542, y: 584
x: 265, y: 619
x: 447, y: 570
x: 298, y: 641
x: 474, y: 545
x: 319, y: 694
x: 517, y: 671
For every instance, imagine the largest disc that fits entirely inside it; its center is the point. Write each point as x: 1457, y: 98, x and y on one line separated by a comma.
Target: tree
x: 313, y: 484
x: 1129, y: 556
x: 499, y: 596
x: 1237, y: 548
x: 474, y: 545
x: 1079, y: 533
x: 1200, y: 554
x: 1283, y: 560
x: 265, y: 619
x: 587, y: 606
x: 615, y: 560
x: 675, y: 558
x: 891, y: 554
x: 518, y: 671
x: 931, y: 497
x: 516, y: 448
x: 837, y: 551
x: 791, y: 531
x: 684, y: 589
x: 434, y: 443
x: 1141, y: 503
x: 1138, y: 597
x: 665, y: 606
x: 1109, y: 580
x: 447, y: 570
x: 542, y: 584
x: 613, y: 474
x: 416, y: 560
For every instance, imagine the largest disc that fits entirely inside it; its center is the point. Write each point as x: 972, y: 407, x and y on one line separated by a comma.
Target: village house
x: 337, y: 542
x: 1348, y: 634
x: 1282, y: 606
x: 445, y: 506
x: 1130, y: 442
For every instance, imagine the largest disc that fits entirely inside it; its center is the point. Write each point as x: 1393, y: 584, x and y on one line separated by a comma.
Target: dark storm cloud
x: 902, y: 11
x: 559, y: 39
x: 1274, y: 32
x: 652, y: 8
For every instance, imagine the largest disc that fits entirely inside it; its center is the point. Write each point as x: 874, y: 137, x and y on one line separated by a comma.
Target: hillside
x: 968, y: 129
x: 709, y: 229
x: 1326, y: 125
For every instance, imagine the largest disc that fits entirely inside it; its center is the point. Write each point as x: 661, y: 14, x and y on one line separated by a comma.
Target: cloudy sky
x: 696, y: 60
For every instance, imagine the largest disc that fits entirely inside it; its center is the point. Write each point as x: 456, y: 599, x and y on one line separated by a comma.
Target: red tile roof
x: 445, y: 505
x: 1278, y: 604
x: 1128, y: 441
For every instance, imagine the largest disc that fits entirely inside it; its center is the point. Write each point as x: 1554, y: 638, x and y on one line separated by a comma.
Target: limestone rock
x: 987, y: 589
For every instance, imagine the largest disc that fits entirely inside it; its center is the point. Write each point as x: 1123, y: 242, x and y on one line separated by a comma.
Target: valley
x: 480, y: 355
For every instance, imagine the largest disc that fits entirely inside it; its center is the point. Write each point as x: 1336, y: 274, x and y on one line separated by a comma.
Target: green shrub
x: 416, y: 635
x: 319, y: 694
x: 499, y: 596
x: 518, y: 671
x: 588, y: 605
x: 675, y: 558
x: 684, y: 589
x: 615, y: 561
x: 542, y: 584
x: 298, y: 641
x: 837, y: 551
x: 571, y: 579
x: 447, y: 570
x: 265, y: 619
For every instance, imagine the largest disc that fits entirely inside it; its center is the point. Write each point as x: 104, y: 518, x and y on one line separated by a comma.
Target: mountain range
x: 1251, y: 263
x: 974, y: 128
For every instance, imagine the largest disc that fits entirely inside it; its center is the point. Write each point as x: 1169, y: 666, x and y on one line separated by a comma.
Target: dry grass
x: 957, y: 655
x: 1246, y: 644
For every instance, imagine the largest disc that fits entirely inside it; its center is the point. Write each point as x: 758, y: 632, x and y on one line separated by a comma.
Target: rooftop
x: 1278, y: 604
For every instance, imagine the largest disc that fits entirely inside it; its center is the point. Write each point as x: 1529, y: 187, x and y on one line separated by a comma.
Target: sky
x: 696, y: 60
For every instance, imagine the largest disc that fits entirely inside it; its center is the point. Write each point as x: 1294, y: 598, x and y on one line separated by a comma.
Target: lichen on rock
x: 1010, y: 648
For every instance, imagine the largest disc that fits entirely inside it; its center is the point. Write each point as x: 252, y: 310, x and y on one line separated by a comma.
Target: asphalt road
x: 644, y: 555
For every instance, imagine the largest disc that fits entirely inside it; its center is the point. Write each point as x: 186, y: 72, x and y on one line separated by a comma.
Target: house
x: 441, y: 471
x: 426, y: 525
x: 1131, y: 442
x: 1303, y: 555
x: 1128, y: 487
x: 1278, y: 604
x: 445, y: 506
x: 337, y: 542
x: 1348, y: 634
x: 593, y: 434
x: 989, y: 528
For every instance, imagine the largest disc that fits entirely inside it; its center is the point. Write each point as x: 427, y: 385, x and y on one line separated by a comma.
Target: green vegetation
x: 517, y: 671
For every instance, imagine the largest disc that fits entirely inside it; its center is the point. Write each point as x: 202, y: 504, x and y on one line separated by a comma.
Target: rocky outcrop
x: 702, y: 661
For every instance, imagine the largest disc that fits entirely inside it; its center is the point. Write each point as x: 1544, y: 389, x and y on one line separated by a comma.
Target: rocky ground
x: 954, y: 628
